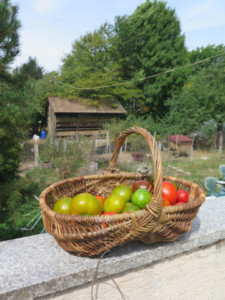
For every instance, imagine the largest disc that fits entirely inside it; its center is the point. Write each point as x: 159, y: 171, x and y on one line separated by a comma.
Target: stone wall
x: 192, y: 267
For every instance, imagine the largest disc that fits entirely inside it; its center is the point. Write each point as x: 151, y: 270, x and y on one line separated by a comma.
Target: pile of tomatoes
x: 122, y: 199
x: 171, y: 195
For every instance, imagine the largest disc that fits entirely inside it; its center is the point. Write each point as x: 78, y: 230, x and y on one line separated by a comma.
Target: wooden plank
x: 84, y: 132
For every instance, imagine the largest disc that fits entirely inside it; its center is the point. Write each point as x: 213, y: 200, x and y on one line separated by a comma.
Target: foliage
x: 202, y: 53
x: 116, y: 127
x: 43, y: 88
x: 13, y: 121
x: 27, y: 71
x: 200, y: 101
x: 18, y: 207
x: 150, y: 42
x: 91, y: 63
x: 67, y: 155
x: 9, y: 36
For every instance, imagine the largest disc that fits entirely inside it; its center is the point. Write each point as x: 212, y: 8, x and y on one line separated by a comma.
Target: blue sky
x: 49, y: 27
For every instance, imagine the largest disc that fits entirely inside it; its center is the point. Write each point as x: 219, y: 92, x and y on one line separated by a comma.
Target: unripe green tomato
x: 141, y: 198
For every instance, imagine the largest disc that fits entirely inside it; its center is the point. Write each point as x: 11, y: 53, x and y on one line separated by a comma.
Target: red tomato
x: 142, y: 184
x: 169, y: 192
x: 180, y: 202
x: 182, y: 196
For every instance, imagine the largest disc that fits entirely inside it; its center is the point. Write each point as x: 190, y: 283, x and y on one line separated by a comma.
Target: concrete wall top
x: 36, y: 266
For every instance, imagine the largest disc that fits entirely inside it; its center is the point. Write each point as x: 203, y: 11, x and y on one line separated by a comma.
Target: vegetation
x: 127, y: 61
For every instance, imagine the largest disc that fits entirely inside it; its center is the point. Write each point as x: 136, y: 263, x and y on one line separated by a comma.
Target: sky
x: 49, y: 27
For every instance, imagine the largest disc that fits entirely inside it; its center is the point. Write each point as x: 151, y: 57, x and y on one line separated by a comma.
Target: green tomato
x: 85, y: 204
x: 129, y: 207
x: 141, y: 198
x: 62, y: 206
x: 124, y: 191
x: 114, y: 203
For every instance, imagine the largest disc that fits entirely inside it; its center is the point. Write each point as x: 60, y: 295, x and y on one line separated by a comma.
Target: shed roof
x: 59, y: 105
x: 179, y: 138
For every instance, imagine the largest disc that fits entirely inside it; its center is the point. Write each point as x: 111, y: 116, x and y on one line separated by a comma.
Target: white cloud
x: 45, y: 6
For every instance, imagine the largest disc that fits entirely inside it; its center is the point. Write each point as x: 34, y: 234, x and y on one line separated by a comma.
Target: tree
x: 9, y: 36
x: 150, y: 42
x: 91, y: 63
x: 29, y: 70
x: 202, y: 100
x: 202, y: 53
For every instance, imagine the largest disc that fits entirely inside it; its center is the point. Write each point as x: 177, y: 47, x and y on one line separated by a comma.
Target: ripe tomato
x: 180, y: 202
x: 142, y: 184
x: 85, y: 204
x: 165, y: 202
x: 182, y: 196
x: 124, y: 191
x: 109, y: 213
x: 100, y: 198
x: 141, y: 198
x: 130, y: 207
x: 62, y: 206
x: 169, y: 192
x: 114, y: 203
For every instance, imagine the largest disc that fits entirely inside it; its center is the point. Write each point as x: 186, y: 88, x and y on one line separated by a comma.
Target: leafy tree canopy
x: 200, y: 101
x: 202, y: 53
x: 150, y: 42
x: 29, y: 70
x: 91, y: 63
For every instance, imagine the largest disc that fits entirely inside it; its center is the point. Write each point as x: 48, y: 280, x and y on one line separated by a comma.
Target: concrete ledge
x: 36, y: 266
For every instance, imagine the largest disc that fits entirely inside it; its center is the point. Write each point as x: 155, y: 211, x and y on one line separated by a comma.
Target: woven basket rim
x: 79, y: 218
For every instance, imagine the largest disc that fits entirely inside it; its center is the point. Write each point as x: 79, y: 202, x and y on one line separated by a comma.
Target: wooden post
x: 168, y: 158
x: 192, y: 150
x: 176, y: 141
x: 221, y: 143
x: 36, y: 153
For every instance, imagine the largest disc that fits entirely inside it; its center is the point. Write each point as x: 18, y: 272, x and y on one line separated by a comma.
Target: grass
x: 204, y: 164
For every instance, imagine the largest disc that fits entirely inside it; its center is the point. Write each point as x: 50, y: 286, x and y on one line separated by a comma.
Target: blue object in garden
x: 214, y: 189
x: 222, y: 170
x: 43, y: 134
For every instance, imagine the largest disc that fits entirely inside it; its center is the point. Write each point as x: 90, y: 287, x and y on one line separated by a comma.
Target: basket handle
x: 156, y: 204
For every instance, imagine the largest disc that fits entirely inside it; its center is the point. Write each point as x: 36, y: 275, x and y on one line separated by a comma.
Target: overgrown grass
x: 204, y: 164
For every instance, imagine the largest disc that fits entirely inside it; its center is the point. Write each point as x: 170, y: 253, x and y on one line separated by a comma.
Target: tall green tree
x: 27, y: 71
x: 150, y: 42
x: 9, y: 36
x: 91, y: 63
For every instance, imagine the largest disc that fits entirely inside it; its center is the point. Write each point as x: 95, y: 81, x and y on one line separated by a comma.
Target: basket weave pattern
x: 86, y: 235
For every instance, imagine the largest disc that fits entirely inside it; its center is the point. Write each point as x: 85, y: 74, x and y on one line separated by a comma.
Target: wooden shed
x: 78, y: 116
x: 180, y: 142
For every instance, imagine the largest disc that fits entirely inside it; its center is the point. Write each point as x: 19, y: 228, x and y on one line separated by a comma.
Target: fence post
x: 221, y: 143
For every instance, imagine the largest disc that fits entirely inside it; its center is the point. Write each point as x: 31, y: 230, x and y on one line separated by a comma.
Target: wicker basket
x: 86, y: 235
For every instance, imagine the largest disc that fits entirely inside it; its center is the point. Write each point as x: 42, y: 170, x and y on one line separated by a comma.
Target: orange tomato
x: 165, y: 202
x: 109, y: 213
x: 100, y: 198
